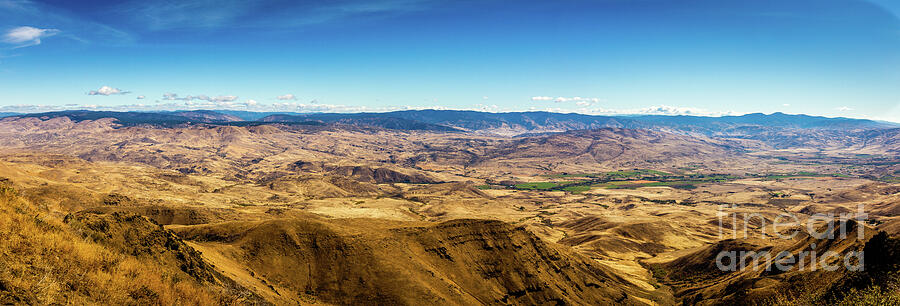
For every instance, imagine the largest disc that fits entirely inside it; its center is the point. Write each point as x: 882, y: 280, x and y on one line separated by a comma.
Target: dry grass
x: 182, y: 177
x: 887, y: 294
x: 45, y: 262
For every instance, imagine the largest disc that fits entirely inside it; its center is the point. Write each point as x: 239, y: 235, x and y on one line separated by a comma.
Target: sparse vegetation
x: 538, y: 186
x: 329, y: 213
x: 800, y: 174
x: 47, y: 262
x: 878, y: 284
x: 890, y: 179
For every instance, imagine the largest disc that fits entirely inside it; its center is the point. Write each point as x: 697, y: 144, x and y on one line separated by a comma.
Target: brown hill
x: 377, y: 175
x: 207, y: 116
x: 452, y: 189
x: 93, y: 259
x: 166, y: 215
x: 377, y: 262
x: 627, y: 240
x: 315, y: 186
x: 376, y: 156
x: 333, y: 213
x: 610, y: 148
x: 698, y: 279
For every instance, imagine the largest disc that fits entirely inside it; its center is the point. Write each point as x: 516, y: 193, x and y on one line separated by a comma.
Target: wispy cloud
x: 223, y: 98
x: 189, y: 14
x: 162, y: 15
x: 580, y: 101
x: 66, y: 23
x: 25, y: 36
x: 286, y: 97
x: 587, y: 105
x: 487, y: 108
x: 844, y: 108
x: 107, y: 91
x: 677, y: 110
x: 665, y: 110
x: 190, y: 98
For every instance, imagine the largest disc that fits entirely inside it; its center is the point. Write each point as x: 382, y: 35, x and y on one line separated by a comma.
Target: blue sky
x: 708, y: 57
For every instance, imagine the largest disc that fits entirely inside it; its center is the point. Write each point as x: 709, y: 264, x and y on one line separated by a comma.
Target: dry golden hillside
x: 99, y: 212
x: 89, y: 259
x: 360, y: 261
x: 366, y: 154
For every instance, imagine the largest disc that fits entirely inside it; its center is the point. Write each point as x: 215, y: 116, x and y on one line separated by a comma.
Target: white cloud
x: 576, y: 99
x: 287, y: 97
x: 27, y: 36
x: 141, y: 97
x: 223, y: 99
x: 786, y: 105
x: 678, y: 110
x: 107, y: 91
x: 189, y: 98
x: 251, y: 103
x: 581, y: 101
x: 653, y: 110
x: 486, y: 108
x: 484, y: 97
x: 844, y: 108
x: 75, y: 26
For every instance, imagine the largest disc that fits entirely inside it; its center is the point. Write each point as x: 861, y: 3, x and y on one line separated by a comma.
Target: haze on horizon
x: 699, y: 57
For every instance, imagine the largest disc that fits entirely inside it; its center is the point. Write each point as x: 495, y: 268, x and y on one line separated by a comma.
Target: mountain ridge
x: 757, y: 130
x: 536, y: 121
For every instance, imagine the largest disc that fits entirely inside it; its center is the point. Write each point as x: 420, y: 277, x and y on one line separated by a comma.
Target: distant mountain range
x: 133, y: 118
x: 538, y: 122
x: 507, y: 124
